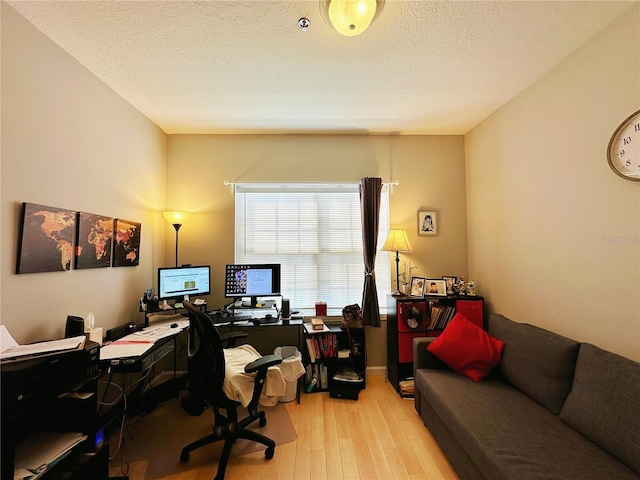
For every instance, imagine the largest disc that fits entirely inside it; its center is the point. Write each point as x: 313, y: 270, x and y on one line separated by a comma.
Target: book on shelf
x: 322, y: 346
x: 311, y: 349
x: 406, y: 387
x: 441, y: 315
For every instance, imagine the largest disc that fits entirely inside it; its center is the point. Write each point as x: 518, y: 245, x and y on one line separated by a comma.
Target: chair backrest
x: 205, y: 358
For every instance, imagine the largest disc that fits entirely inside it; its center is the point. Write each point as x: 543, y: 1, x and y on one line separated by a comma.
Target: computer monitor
x: 252, y: 280
x: 181, y: 282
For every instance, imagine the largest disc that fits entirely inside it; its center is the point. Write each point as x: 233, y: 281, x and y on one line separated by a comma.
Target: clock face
x: 624, y: 148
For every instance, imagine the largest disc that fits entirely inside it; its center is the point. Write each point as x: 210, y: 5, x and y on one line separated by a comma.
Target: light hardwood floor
x: 380, y: 436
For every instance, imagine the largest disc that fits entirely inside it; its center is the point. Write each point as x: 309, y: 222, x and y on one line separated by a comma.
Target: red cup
x: 321, y: 309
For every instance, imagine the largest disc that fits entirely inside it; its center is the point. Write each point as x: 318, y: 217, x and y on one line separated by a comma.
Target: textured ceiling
x: 423, y: 67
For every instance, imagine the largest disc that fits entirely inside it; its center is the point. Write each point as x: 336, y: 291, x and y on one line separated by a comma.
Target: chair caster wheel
x: 268, y: 453
x: 184, y: 456
x: 263, y: 421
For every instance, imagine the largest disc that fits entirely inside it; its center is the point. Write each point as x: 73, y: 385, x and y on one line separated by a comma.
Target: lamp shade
x: 397, y: 241
x: 176, y: 218
x: 350, y: 17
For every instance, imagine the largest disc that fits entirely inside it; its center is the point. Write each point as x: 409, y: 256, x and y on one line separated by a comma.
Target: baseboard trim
x: 378, y: 371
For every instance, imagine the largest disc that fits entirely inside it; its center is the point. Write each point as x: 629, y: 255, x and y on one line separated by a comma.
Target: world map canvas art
x: 46, y: 239
x: 94, y: 241
x: 126, y: 246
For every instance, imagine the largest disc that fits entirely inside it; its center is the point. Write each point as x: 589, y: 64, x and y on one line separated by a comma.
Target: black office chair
x: 206, y: 373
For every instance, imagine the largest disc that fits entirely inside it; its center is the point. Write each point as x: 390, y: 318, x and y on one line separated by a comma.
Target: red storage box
x: 472, y: 310
x: 405, y: 346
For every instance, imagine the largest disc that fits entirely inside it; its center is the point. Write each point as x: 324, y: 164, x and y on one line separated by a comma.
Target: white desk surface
x: 138, y: 343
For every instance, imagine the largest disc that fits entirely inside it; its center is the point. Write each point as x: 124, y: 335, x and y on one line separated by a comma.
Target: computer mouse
x: 174, y: 325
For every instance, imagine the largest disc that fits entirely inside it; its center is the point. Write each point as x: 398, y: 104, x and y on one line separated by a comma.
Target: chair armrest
x: 229, y: 338
x: 263, y: 363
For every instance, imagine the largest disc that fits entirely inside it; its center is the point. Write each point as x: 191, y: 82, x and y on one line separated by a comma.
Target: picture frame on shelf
x: 428, y: 222
x: 451, y: 282
x: 416, y: 289
x: 435, y: 287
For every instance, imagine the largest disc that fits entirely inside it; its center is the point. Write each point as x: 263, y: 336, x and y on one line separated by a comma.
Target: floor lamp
x: 397, y: 241
x: 176, y: 219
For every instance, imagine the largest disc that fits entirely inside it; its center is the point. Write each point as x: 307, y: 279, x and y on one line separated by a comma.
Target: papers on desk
x: 11, y: 349
x: 39, y: 452
x: 136, y: 344
x: 124, y: 349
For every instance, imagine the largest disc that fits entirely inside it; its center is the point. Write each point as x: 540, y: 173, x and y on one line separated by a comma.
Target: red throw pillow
x: 467, y: 349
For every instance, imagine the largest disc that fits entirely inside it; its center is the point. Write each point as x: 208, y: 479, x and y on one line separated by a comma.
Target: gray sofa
x: 553, y: 408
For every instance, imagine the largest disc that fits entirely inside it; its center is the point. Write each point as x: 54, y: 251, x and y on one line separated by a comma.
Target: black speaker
x: 75, y: 327
x: 286, y: 310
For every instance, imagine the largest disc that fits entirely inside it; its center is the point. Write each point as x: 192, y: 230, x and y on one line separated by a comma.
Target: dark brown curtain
x: 370, y: 191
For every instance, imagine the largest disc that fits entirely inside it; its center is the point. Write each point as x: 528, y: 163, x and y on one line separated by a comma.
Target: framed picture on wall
x: 45, y: 242
x: 126, y: 243
x: 417, y: 287
x: 435, y: 287
x: 94, y: 237
x: 428, y: 222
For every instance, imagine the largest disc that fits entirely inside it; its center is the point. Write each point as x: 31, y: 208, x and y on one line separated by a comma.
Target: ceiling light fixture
x: 350, y: 17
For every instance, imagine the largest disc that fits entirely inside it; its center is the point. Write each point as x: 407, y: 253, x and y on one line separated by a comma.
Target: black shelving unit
x: 57, y: 408
x: 327, y: 362
x: 400, y: 336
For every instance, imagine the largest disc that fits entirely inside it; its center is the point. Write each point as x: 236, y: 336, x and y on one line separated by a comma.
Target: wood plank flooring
x: 380, y: 436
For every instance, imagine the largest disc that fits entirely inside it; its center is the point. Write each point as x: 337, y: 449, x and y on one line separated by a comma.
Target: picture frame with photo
x: 428, y: 222
x: 451, y: 282
x: 416, y: 288
x: 435, y: 287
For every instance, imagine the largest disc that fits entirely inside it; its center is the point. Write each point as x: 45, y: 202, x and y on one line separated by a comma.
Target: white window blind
x: 315, y: 233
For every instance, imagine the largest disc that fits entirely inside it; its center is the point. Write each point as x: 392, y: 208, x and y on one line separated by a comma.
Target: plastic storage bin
x: 291, y: 368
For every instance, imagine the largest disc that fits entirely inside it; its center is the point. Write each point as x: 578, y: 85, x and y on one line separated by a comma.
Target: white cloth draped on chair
x: 238, y: 385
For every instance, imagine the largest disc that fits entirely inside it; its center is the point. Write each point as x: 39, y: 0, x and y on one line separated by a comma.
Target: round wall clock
x: 623, y: 153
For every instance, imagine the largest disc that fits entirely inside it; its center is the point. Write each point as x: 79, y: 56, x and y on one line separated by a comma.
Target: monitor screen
x: 252, y: 280
x: 178, y: 282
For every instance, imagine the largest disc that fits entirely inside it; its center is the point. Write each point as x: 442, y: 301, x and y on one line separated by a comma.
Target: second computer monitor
x: 252, y: 280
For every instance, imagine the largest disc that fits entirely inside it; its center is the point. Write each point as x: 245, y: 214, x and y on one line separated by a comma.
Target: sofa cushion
x: 604, y: 403
x: 508, y: 435
x: 538, y: 362
x: 467, y: 349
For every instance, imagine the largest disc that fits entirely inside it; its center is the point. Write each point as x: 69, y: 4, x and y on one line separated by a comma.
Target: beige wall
x: 69, y: 141
x: 429, y: 170
x: 554, y: 233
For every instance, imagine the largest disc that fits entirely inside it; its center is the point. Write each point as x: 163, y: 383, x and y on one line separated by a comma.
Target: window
x: 315, y: 233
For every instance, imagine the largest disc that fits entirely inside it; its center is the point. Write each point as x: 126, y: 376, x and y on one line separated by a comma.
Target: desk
x: 138, y: 353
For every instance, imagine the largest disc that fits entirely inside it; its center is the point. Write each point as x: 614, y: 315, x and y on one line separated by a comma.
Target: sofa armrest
x: 422, y: 358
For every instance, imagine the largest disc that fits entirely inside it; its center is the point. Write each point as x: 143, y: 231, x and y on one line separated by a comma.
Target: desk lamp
x: 176, y: 219
x: 397, y: 241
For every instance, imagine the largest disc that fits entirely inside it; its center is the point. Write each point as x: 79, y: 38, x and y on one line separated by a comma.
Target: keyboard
x: 245, y: 317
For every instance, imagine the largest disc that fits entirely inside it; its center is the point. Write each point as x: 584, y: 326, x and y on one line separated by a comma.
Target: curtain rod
x: 227, y: 182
